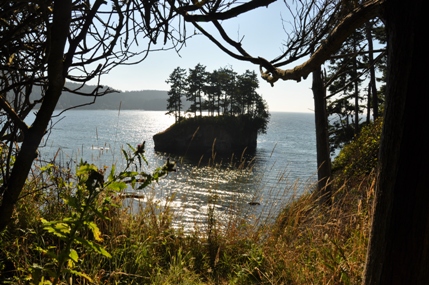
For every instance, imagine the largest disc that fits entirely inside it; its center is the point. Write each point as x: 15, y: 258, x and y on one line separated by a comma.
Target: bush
x: 360, y: 156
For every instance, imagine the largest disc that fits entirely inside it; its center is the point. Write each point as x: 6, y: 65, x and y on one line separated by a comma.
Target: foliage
x: 234, y: 124
x: 196, y: 82
x: 177, y: 91
x: 360, y: 157
x: 347, y: 72
x: 78, y: 41
x: 341, y: 131
x: 222, y: 92
x: 69, y: 227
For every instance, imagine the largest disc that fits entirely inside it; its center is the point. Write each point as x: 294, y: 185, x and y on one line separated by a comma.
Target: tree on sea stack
x: 223, y: 91
x: 196, y: 82
x: 177, y: 81
x: 236, y: 113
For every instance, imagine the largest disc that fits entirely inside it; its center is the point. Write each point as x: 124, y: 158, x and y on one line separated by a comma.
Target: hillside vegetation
x: 74, y: 229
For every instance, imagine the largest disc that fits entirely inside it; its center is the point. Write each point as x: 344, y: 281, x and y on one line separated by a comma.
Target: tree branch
x: 231, y: 13
x: 12, y: 114
x: 329, y: 46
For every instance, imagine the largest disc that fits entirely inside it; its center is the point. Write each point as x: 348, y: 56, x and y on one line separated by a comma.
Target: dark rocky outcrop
x: 198, y: 136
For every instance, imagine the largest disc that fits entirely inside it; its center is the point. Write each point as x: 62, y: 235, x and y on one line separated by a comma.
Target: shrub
x: 360, y: 156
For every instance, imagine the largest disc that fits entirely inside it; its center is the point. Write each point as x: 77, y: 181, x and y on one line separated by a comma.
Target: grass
x: 307, y: 243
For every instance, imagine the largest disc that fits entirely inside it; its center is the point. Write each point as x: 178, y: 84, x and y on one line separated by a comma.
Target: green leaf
x: 95, y: 247
x: 127, y: 174
x: 73, y: 202
x: 117, y: 186
x: 125, y: 154
x: 148, y: 180
x: 47, y: 167
x: 95, y: 230
x: 73, y: 258
x: 81, y: 274
x: 73, y: 255
x: 59, y: 229
x: 86, y: 169
x: 112, y: 174
x: 144, y: 158
x: 131, y: 147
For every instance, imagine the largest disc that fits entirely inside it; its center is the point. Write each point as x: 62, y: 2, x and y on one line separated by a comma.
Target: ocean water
x: 283, y: 166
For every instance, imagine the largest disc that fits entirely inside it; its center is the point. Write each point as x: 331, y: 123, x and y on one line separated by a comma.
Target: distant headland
x: 149, y: 100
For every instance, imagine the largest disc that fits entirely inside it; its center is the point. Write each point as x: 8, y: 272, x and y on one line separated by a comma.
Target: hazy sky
x: 263, y: 36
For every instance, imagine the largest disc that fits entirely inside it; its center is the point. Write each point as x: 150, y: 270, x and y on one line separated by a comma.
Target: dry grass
x: 308, y: 243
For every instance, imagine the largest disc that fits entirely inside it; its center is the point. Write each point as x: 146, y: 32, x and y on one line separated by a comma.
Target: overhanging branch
x: 231, y: 13
x: 329, y: 46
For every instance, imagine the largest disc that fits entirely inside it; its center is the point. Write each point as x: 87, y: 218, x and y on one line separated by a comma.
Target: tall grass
x: 307, y: 243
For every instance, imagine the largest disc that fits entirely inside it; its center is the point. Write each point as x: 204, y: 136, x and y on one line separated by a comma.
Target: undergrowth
x: 59, y: 237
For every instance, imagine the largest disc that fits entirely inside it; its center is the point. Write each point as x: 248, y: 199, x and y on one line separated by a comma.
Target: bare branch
x: 353, y: 20
x: 231, y: 13
x: 13, y: 115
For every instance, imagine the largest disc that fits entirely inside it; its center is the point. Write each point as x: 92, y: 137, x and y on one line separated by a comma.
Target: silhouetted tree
x: 177, y: 81
x: 47, y: 42
x: 213, y: 92
x: 347, y: 70
x: 247, y: 83
x: 196, y: 82
x: 220, y: 86
x: 226, y: 80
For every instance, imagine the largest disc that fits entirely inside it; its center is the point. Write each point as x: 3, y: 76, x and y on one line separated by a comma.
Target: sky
x: 263, y: 31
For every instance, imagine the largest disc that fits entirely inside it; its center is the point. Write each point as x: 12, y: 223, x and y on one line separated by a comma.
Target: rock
x: 198, y: 136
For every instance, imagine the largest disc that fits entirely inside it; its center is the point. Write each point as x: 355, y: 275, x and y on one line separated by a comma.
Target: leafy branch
x: 88, y: 201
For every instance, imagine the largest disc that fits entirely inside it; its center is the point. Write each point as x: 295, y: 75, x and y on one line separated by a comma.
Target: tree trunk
x: 322, y: 137
x: 372, y: 84
x: 368, y: 105
x: 356, y: 86
x: 398, y: 251
x: 34, y: 135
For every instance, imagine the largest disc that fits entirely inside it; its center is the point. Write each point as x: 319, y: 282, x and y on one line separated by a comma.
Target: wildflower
x: 140, y: 148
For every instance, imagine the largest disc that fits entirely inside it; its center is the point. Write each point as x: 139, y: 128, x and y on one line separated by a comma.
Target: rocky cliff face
x: 204, y: 138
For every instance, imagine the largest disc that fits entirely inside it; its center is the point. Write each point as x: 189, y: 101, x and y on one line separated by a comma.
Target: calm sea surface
x: 284, y: 164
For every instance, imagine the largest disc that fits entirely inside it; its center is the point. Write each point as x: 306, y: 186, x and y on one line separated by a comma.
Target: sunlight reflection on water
x: 283, y: 167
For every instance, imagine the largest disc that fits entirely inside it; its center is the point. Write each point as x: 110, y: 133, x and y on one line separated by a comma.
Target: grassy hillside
x: 306, y: 244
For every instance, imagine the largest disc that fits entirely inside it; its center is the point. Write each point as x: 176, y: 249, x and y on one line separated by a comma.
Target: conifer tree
x: 247, y: 98
x: 177, y: 81
x: 346, y: 69
x: 196, y: 81
x: 226, y: 94
x: 213, y: 93
x: 226, y: 80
